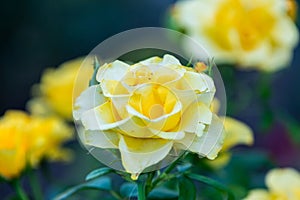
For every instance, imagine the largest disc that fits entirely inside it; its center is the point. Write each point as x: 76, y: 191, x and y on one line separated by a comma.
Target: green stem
x: 115, y: 194
x: 149, y: 182
x: 168, y: 170
x: 212, y: 183
x: 141, y: 191
x: 19, y: 190
x: 35, y: 185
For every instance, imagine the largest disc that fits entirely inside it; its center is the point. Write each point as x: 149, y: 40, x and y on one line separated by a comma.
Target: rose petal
x: 176, y: 135
x: 113, y: 88
x: 165, y: 122
x: 88, y: 99
x: 195, y: 117
x: 138, y: 154
x: 102, y: 117
x: 209, y: 144
x: 102, y: 139
x: 113, y: 71
x: 135, y: 127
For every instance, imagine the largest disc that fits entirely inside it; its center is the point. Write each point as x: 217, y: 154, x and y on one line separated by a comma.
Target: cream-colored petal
x: 101, y: 118
x: 283, y: 181
x: 135, y: 127
x: 195, y: 117
x: 193, y: 87
x: 116, y: 70
x: 209, y: 144
x: 138, y: 154
x: 199, y: 81
x: 152, y: 60
x: 160, y: 73
x: 170, y: 60
x: 120, y: 105
x: 88, y: 99
x: 168, y: 135
x: 114, y: 88
x: 161, y: 119
x: 258, y: 194
x: 237, y: 133
x: 102, y: 139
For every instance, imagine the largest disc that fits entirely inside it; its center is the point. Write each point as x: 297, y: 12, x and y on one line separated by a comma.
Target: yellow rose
x: 28, y: 139
x: 46, y: 138
x: 249, y: 33
x: 13, y: 131
x: 149, y: 108
x: 54, y: 93
x: 237, y: 133
x: 282, y: 184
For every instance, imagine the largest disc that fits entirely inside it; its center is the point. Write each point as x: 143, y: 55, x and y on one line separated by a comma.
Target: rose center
x: 153, y: 100
x: 156, y: 111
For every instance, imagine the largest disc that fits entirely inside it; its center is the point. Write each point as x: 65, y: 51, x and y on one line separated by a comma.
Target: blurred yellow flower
x: 13, y: 131
x: 27, y: 139
x: 46, y: 138
x: 283, y: 184
x: 236, y: 133
x: 54, y: 93
x: 248, y: 33
x: 149, y: 108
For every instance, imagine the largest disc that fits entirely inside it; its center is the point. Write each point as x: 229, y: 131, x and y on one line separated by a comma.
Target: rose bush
x: 149, y: 108
x: 250, y: 34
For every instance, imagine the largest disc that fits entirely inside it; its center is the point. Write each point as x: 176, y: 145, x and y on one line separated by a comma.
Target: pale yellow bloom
x: 27, y: 139
x: 283, y: 184
x: 248, y: 33
x: 149, y: 108
x: 237, y: 133
x: 54, y: 93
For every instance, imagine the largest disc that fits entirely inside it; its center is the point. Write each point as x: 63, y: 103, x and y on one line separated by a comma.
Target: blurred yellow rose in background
x: 147, y: 109
x: 248, y: 33
x: 53, y: 96
x: 13, y: 143
x: 26, y: 139
x: 283, y: 184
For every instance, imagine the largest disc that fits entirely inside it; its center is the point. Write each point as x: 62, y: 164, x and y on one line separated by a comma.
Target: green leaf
x: 212, y: 183
x: 163, y: 193
x: 98, y: 172
x: 187, y: 189
x: 93, y: 80
x: 129, y: 190
x: 102, y: 183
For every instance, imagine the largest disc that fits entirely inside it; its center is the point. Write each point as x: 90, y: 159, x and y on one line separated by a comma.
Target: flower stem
x: 148, y: 185
x: 19, y: 190
x: 141, y: 191
x: 168, y: 170
x: 35, y: 185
